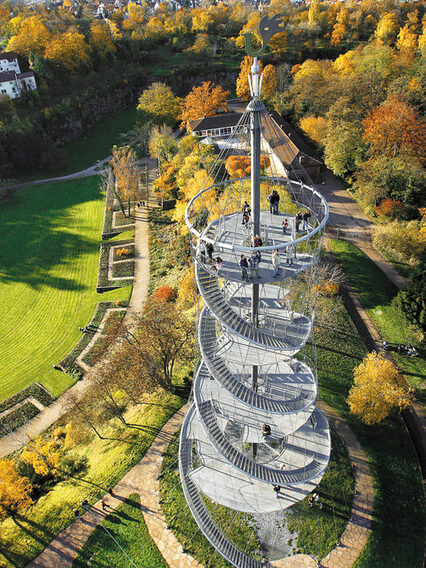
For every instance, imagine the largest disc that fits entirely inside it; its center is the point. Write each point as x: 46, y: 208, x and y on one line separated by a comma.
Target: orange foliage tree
x: 395, y: 128
x: 203, y: 101
x: 14, y: 490
x: 375, y: 391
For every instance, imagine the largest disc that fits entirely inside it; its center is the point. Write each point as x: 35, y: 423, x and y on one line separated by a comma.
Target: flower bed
x: 98, y: 344
x: 17, y: 417
x: 121, y: 254
x: 104, y: 283
x: 123, y: 269
x: 35, y: 389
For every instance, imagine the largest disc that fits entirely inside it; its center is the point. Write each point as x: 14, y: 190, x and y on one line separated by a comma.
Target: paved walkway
x: 143, y: 479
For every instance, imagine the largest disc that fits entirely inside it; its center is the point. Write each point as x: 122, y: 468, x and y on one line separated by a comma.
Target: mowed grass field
x: 49, y: 252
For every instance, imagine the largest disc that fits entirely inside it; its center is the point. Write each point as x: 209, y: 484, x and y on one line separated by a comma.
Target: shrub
x: 122, y: 252
x: 70, y: 465
x: 165, y: 293
x: 412, y: 301
x: 402, y: 241
x: 390, y: 208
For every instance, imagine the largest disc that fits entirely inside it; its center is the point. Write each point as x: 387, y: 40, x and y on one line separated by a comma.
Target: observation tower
x: 253, y: 439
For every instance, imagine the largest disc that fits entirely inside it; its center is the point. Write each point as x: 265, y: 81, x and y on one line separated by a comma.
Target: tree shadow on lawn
x: 35, y: 236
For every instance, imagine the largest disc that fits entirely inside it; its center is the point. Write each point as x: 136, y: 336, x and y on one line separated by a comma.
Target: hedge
x: 36, y: 390
x: 16, y: 418
x: 104, y: 283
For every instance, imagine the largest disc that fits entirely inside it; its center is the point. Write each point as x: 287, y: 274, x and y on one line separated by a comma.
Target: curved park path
x: 143, y: 480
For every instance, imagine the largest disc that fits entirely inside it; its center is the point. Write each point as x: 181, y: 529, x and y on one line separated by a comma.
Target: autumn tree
x: 14, y: 490
x: 158, y: 104
x: 43, y: 455
x: 269, y: 82
x: 395, y: 128
x: 126, y: 173
x: 387, y: 28
x: 166, y: 334
x: 101, y: 39
x: 203, y: 101
x: 375, y: 392
x: 33, y: 36
x: 162, y: 143
x: 315, y: 127
x: 70, y: 50
x: 201, y: 46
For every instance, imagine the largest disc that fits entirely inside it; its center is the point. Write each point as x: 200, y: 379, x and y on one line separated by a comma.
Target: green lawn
x: 376, y: 293
x: 49, y: 252
x: 127, y: 526
x: 397, y: 539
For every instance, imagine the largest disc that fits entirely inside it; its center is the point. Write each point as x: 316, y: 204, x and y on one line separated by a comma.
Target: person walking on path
x: 276, y: 262
x: 289, y: 255
x: 244, y: 268
x: 245, y: 212
x: 285, y: 226
x: 257, y: 241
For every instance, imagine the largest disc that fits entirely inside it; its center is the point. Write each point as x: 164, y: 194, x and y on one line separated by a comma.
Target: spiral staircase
x: 254, y: 370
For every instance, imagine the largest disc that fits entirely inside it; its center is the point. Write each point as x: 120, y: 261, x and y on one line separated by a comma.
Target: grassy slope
x: 109, y: 460
x: 398, y: 536
x: 376, y: 293
x: 49, y: 253
x: 127, y: 526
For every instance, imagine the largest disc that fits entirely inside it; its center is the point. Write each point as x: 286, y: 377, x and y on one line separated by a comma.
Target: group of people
x: 274, y: 201
x: 408, y: 349
x: 302, y: 218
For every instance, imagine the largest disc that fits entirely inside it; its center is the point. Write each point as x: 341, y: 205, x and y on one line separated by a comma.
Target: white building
x: 12, y: 82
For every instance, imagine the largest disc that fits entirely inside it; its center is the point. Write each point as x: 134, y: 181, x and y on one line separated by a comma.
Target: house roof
x: 25, y: 74
x: 219, y: 121
x: 9, y: 55
x: 7, y: 76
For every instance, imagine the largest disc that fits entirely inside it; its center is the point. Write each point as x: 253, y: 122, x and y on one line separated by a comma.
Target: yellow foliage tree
x: 159, y: 102
x: 69, y: 49
x: 186, y: 294
x: 269, y: 83
x: 315, y: 127
x: 43, y: 455
x: 14, y: 490
x: 101, y: 39
x: 33, y: 36
x: 203, y: 101
x: 375, y: 392
x: 252, y: 26
x: 407, y: 41
x: 202, y: 20
x: 387, y: 28
x: 201, y: 45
